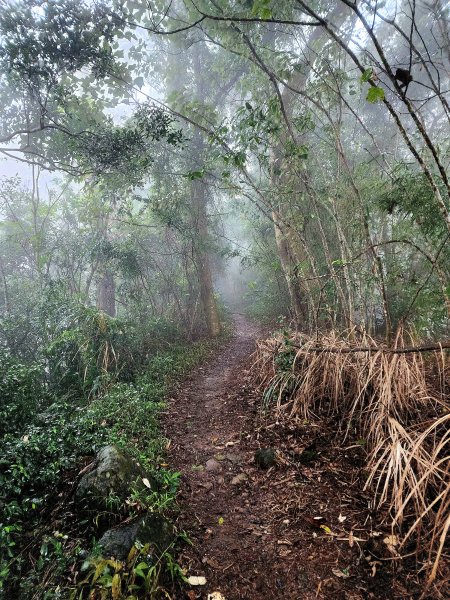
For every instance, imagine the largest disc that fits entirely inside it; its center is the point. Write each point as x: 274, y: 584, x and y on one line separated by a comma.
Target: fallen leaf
x: 239, y: 479
x: 197, y: 580
x: 351, y: 540
x: 343, y: 573
x: 391, y: 540
x: 326, y: 529
x: 146, y: 482
x: 284, y: 543
x: 374, y: 564
x: 216, y: 596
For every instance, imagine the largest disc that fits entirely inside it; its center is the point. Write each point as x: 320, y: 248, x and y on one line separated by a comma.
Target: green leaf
x: 261, y: 9
x: 195, y: 175
x: 139, y: 82
x: 375, y: 94
x: 366, y: 75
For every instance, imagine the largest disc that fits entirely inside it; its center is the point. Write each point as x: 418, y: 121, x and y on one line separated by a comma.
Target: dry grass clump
x: 395, y: 401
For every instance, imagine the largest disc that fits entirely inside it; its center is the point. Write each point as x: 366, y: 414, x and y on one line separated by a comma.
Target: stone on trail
x: 213, y: 465
x: 234, y: 459
x: 114, y: 474
x: 152, y: 529
x: 240, y: 478
x: 265, y: 458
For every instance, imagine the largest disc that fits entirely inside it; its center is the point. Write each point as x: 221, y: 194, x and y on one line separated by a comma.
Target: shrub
x: 22, y: 393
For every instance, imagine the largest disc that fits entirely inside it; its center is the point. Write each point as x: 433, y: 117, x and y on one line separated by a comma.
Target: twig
x: 427, y: 348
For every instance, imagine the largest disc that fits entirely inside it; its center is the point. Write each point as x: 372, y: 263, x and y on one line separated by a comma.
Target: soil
x: 300, y: 529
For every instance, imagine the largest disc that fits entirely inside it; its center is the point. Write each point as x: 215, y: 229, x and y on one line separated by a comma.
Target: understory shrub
x: 94, y: 383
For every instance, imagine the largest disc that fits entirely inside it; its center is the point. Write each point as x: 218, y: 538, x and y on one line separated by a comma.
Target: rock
x: 234, y: 459
x: 115, y: 474
x: 213, y: 465
x: 265, y: 458
x: 239, y: 479
x: 152, y: 529
x: 117, y: 542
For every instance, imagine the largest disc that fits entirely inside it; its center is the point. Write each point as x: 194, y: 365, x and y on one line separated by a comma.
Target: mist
x: 224, y: 232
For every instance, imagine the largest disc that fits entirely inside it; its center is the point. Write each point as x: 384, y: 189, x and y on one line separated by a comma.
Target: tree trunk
x: 5, y: 288
x: 202, y: 260
x: 288, y: 267
x: 106, y: 294
x: 199, y: 198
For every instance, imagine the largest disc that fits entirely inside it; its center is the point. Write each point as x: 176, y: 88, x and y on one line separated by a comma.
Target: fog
x: 178, y: 178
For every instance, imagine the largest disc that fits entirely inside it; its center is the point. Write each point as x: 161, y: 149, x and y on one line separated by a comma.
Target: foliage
x: 321, y: 128
x: 138, y: 576
x: 40, y: 41
x: 112, y: 149
x: 22, y: 392
x: 88, y: 391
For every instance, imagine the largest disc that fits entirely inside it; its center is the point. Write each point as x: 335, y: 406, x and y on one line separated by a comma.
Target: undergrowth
x: 97, y: 381
x: 398, y: 403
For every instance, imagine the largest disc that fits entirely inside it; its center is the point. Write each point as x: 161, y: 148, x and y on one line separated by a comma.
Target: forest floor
x: 301, y: 529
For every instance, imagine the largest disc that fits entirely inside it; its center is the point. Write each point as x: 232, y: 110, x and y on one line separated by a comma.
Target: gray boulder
x: 114, y: 474
x: 265, y: 458
x: 152, y: 529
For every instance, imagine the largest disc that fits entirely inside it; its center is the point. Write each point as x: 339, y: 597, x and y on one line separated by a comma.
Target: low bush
x: 88, y: 388
x: 22, y: 393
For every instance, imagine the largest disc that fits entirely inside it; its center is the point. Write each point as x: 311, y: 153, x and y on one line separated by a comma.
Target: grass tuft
x: 395, y: 401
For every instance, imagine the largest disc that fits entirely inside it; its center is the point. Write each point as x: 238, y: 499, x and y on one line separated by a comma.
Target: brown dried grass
x: 396, y: 402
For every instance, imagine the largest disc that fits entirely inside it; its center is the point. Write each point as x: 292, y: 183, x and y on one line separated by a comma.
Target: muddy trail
x: 300, y: 529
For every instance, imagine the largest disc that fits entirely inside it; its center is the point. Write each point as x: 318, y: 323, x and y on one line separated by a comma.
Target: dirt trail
x: 287, y: 532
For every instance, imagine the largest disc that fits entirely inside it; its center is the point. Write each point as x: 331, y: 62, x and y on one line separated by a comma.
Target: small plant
x: 139, y: 576
x: 146, y: 499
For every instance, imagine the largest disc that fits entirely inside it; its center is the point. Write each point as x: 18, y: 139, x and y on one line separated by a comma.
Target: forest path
x: 256, y: 534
